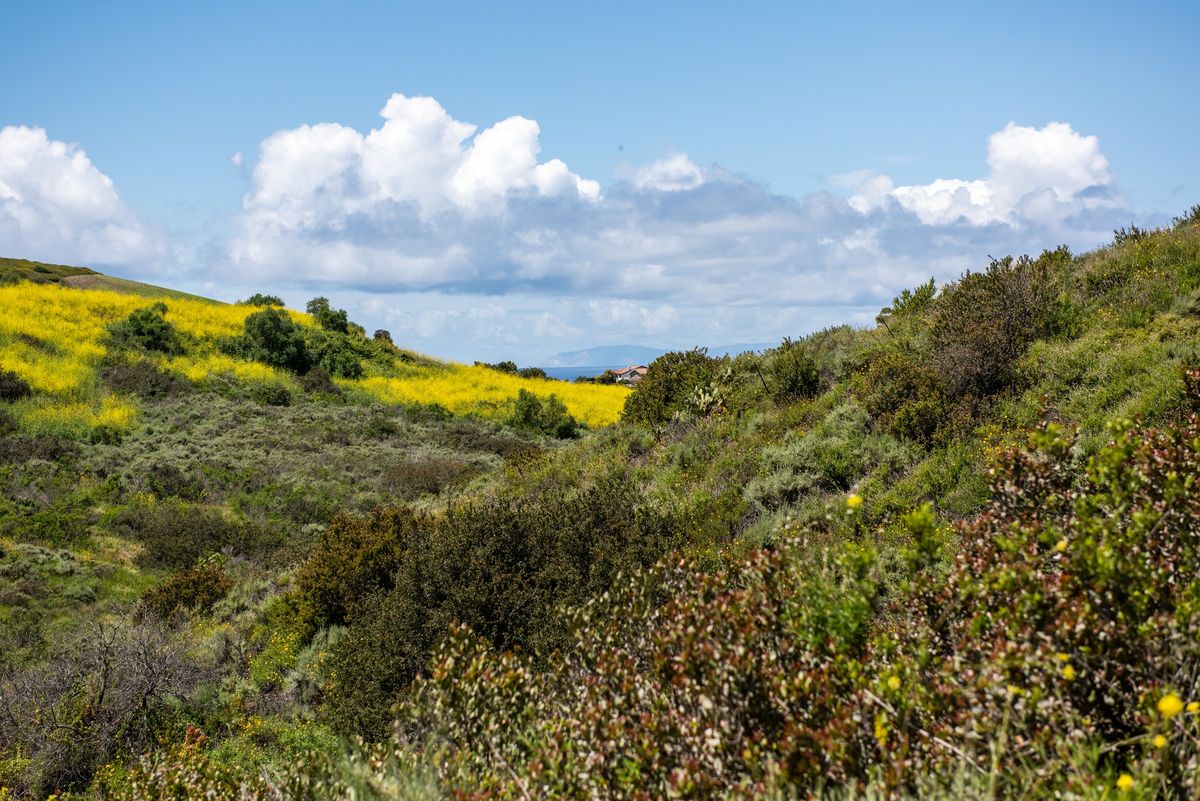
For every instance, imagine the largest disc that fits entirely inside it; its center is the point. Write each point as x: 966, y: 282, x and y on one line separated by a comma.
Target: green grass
x: 13, y: 270
x: 92, y: 280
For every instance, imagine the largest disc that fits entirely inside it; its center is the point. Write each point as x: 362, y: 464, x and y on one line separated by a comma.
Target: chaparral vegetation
x: 247, y: 552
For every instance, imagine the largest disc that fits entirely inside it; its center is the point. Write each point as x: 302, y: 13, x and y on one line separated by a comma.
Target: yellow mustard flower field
x: 53, y: 337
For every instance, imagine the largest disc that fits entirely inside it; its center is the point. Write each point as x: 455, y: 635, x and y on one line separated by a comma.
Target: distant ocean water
x: 571, y: 373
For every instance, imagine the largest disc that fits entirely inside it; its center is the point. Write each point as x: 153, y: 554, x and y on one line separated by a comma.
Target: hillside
x: 949, y: 556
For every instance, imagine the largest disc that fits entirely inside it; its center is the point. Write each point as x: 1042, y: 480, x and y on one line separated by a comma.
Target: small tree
x: 259, y: 299
x: 272, y: 338
x: 327, y: 317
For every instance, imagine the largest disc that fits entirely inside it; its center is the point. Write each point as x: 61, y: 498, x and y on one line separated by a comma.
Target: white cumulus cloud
x: 445, y: 220
x: 56, y: 206
x: 670, y: 174
x: 1040, y: 175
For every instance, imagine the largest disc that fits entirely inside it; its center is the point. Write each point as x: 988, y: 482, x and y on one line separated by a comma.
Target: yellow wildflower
x: 1068, y: 672
x: 881, y: 729
x: 1125, y: 782
x: 893, y: 682
x: 1159, y: 741
x: 1170, y: 705
x: 1062, y: 657
x: 1061, y: 545
x: 854, y: 501
x: 1194, y: 706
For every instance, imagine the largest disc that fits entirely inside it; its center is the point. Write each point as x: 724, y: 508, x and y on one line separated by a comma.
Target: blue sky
x: 729, y: 172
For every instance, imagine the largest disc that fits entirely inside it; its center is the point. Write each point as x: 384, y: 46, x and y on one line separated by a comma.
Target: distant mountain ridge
x: 623, y: 355
x: 604, y: 356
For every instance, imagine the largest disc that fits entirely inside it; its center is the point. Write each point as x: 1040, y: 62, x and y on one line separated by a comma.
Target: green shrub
x: 792, y: 372
x: 327, y: 317
x: 1062, y: 638
x: 259, y: 299
x: 507, y: 366
x: 195, y: 589
x: 546, y: 416
x: 829, y: 458
x: 669, y: 383
x: 1189, y: 218
x: 167, y: 480
x: 1130, y: 234
x: 142, y: 378
x: 272, y: 338
x: 270, y: 393
x: 12, y: 387
x: 149, y: 329
x: 317, y: 381
x: 983, y: 323
x: 901, y: 393
x: 502, y: 568
x: 355, y: 557
x: 428, y: 476
x: 175, y: 535
x: 334, y: 354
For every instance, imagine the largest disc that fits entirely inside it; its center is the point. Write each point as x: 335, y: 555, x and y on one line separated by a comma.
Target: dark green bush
x: 791, y: 372
x: 503, y: 568
x: 544, y: 415
x: 317, y: 381
x: 167, y: 480
x: 506, y: 366
x: 1189, y: 218
x: 272, y: 338
x: 670, y: 381
x: 410, y: 480
x: 142, y: 378
x: 983, y: 323
x: 195, y: 589
x: 149, y: 329
x: 19, y: 450
x: 355, y: 557
x: 1130, y: 234
x: 902, y: 395
x: 270, y: 393
x: 12, y: 387
x: 334, y: 353
x: 175, y: 534
x: 327, y: 317
x: 259, y: 299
